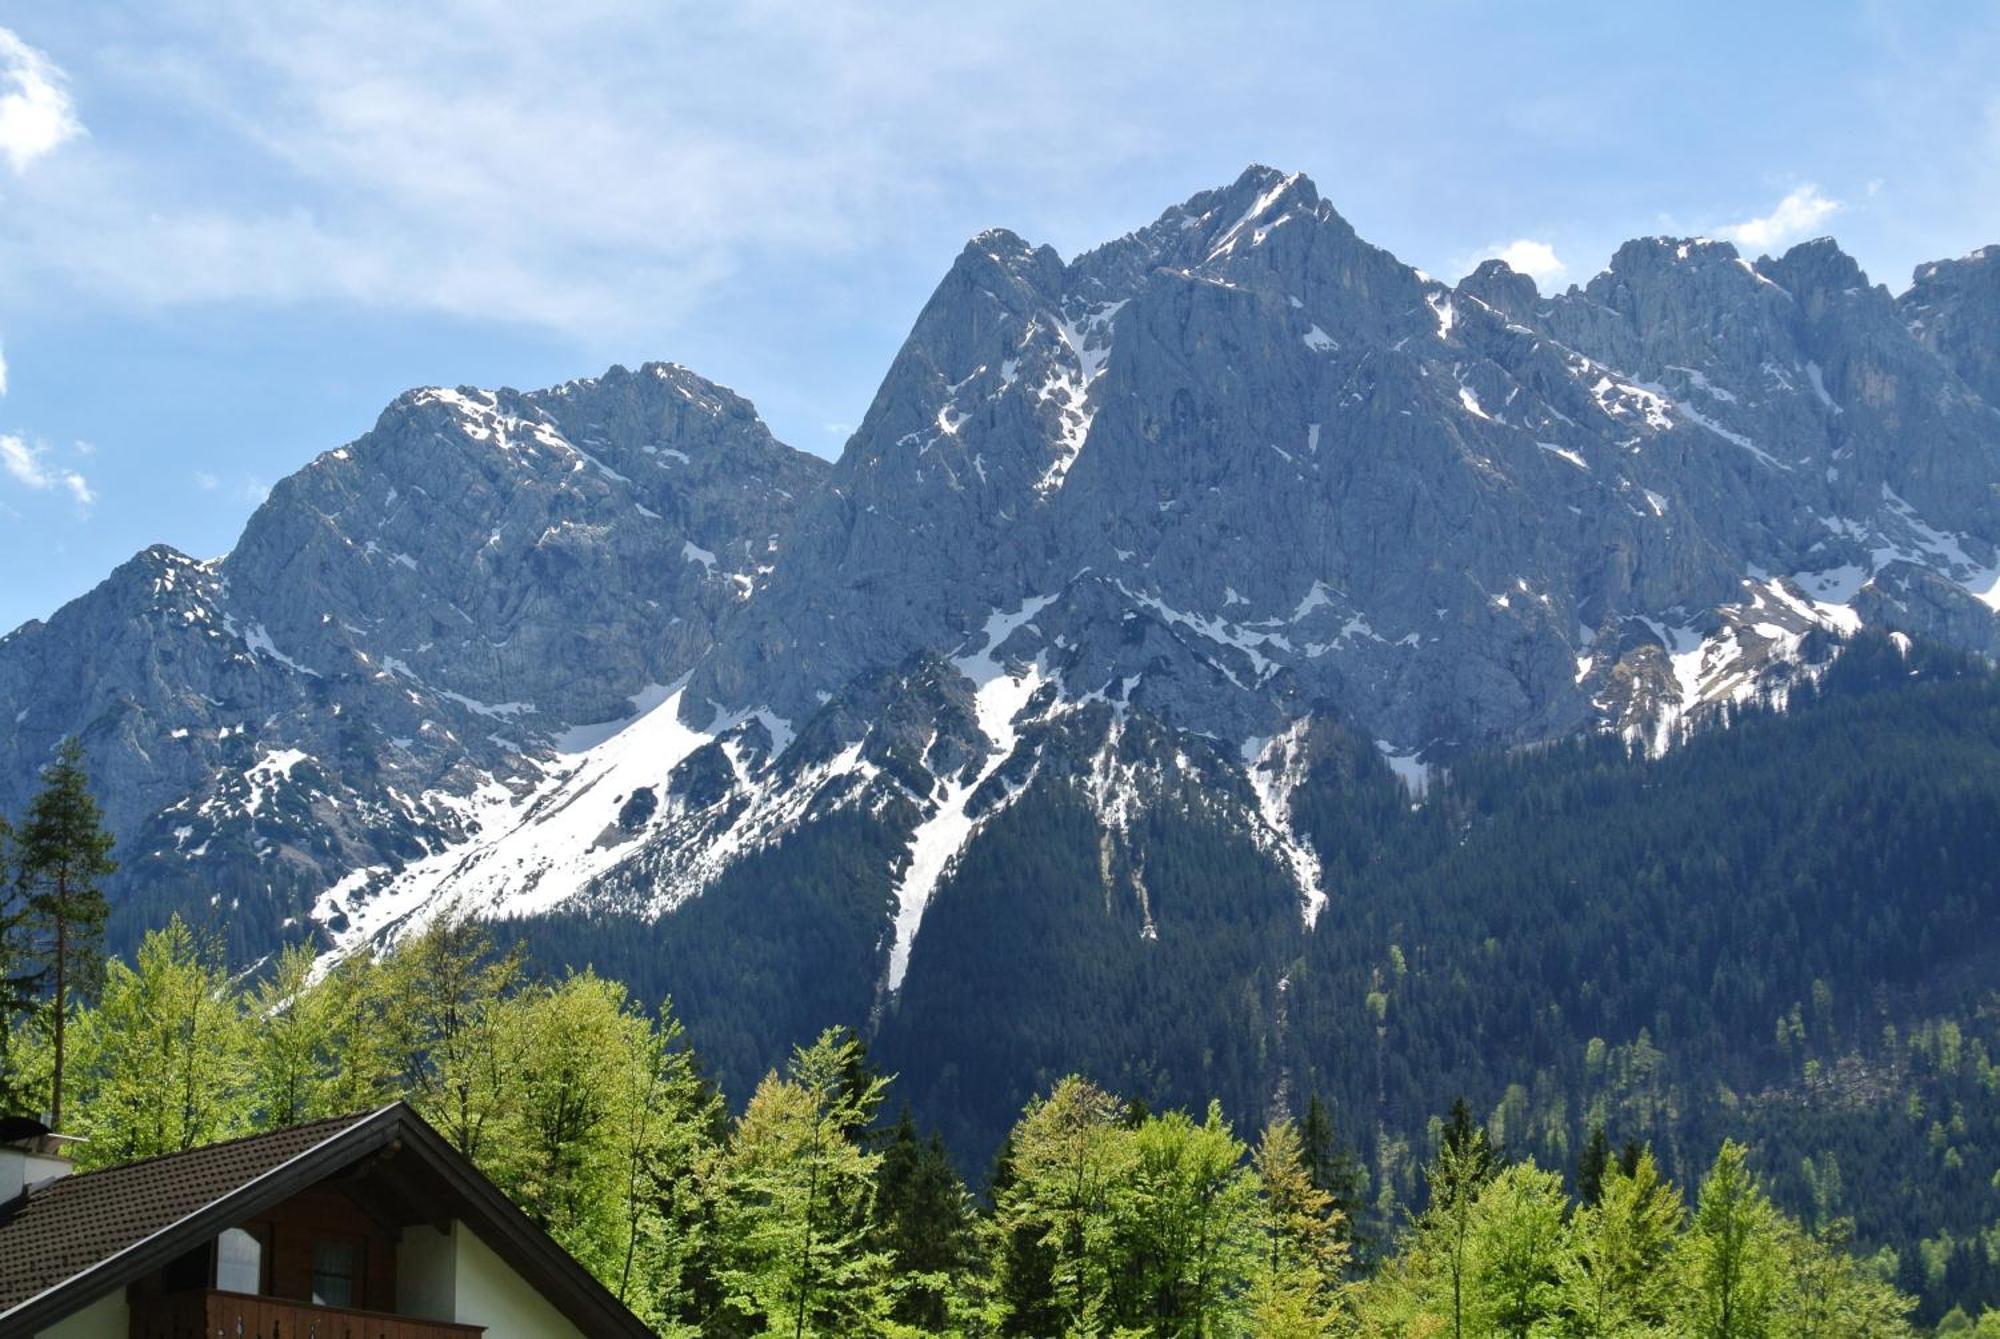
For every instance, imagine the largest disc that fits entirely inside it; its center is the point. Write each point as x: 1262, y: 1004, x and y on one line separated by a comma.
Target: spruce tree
x: 1335, y: 1170
x: 923, y: 1222
x: 64, y: 855
x: 1024, y: 1262
x: 1630, y: 1156
x: 1591, y: 1166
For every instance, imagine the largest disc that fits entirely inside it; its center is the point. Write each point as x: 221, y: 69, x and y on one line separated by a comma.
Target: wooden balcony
x: 220, y: 1315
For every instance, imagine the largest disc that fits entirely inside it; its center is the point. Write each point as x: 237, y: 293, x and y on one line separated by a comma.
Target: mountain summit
x: 1154, y: 531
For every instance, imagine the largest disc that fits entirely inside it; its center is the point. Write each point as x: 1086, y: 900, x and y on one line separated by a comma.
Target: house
x: 358, y: 1227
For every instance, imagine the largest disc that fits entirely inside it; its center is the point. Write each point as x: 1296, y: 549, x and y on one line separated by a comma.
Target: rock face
x: 1256, y: 466
x: 411, y: 619
x: 1953, y: 309
x: 1155, y: 528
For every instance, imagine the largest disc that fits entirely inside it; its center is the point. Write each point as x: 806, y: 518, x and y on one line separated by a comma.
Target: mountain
x: 409, y: 623
x: 1157, y: 512
x: 1229, y: 661
x: 1129, y: 554
x: 1953, y: 308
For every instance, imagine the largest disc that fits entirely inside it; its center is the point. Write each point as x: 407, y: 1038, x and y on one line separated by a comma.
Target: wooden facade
x: 205, y: 1314
x: 369, y: 1226
x: 184, y: 1298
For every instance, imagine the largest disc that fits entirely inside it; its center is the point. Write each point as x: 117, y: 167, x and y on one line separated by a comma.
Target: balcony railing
x: 220, y: 1315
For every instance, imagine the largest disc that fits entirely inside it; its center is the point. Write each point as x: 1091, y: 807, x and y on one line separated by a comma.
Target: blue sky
x: 232, y: 230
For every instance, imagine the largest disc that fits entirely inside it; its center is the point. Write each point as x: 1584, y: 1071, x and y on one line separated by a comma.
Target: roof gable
x: 64, y: 1227
x: 65, y: 1244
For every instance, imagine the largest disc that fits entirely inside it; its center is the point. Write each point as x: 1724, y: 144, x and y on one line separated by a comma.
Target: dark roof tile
x: 62, y: 1228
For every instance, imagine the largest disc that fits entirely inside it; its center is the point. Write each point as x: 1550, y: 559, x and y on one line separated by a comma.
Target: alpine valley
x: 1229, y: 661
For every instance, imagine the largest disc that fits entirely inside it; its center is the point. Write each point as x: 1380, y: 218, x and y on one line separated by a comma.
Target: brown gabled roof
x: 62, y: 1228
x: 74, y: 1240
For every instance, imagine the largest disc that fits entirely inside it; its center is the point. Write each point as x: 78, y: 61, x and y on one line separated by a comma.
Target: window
x: 239, y: 1261
x: 333, y: 1273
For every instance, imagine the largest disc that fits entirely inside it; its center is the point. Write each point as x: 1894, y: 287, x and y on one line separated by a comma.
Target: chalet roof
x: 62, y: 1228
x: 71, y: 1241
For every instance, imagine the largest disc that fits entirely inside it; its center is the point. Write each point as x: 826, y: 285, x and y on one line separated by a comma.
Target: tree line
x: 813, y: 1213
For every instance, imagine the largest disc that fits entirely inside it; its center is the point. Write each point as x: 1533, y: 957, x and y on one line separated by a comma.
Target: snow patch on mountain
x: 999, y: 695
x: 536, y: 851
x: 1275, y: 767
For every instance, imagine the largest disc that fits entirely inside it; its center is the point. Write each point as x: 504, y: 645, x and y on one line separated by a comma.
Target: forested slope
x: 1784, y: 930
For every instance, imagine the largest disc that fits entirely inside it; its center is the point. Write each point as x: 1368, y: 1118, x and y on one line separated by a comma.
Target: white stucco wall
x: 456, y: 1276
x: 493, y: 1295
x: 106, y: 1318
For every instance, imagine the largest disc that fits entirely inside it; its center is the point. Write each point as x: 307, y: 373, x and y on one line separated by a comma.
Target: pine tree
x: 64, y: 854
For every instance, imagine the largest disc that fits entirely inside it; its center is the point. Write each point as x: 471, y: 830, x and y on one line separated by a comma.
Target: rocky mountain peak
x: 1137, y: 525
x: 1500, y: 287
x: 1953, y: 309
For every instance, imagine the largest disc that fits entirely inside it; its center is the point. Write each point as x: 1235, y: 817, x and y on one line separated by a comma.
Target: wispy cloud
x: 30, y: 467
x: 1798, y: 215
x: 36, y: 116
x: 3, y: 371
x: 594, y: 169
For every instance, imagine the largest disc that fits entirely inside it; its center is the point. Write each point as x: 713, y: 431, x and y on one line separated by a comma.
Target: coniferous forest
x: 1588, y: 1043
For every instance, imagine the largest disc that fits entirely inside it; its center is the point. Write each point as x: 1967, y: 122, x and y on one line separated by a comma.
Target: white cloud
x: 36, y: 116
x: 3, y: 371
x: 30, y: 467
x: 1537, y: 260
x: 206, y: 482
x: 599, y: 168
x: 1797, y: 215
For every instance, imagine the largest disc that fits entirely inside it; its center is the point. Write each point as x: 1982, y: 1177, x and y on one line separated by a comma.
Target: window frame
x: 259, y: 1233
x: 357, y: 1266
